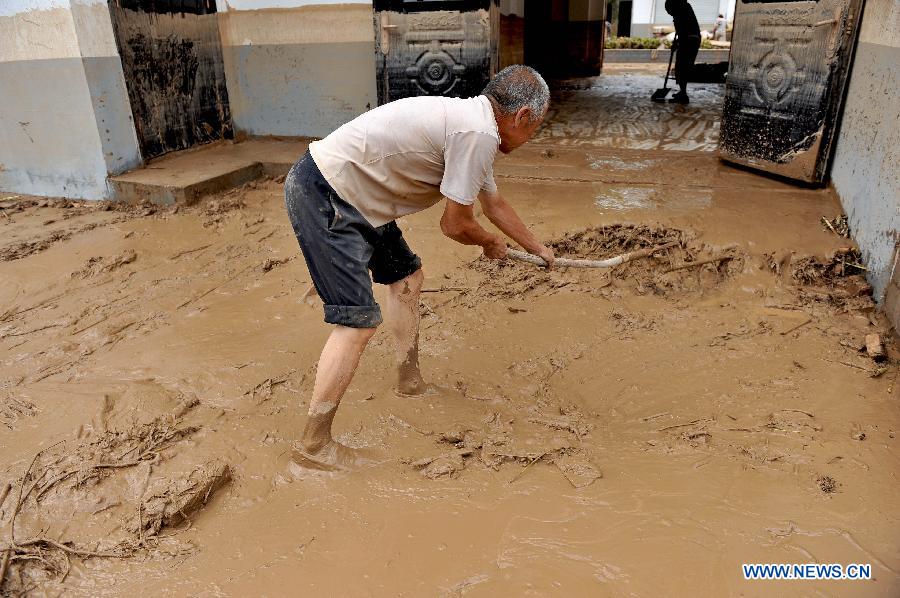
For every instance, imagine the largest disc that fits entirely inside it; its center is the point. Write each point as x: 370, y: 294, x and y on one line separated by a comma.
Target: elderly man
x: 344, y: 195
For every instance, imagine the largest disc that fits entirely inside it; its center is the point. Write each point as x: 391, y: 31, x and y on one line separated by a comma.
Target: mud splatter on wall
x: 866, y: 167
x: 172, y: 59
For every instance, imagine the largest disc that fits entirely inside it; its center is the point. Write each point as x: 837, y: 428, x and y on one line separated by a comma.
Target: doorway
x: 623, y: 27
x: 564, y: 38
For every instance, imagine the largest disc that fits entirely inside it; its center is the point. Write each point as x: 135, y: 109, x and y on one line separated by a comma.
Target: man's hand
x: 547, y: 254
x: 495, y: 248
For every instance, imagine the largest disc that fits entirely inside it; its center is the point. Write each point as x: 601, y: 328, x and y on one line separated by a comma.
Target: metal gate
x: 434, y: 47
x: 786, y: 79
x: 174, y: 72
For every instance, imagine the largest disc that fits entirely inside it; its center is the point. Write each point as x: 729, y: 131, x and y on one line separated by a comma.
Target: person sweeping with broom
x: 344, y: 196
x: 685, y: 46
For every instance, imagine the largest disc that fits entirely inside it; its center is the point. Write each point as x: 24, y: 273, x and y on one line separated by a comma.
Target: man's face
x: 517, y: 129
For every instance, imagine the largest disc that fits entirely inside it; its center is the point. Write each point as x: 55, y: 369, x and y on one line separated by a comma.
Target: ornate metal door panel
x: 434, y: 47
x: 786, y: 78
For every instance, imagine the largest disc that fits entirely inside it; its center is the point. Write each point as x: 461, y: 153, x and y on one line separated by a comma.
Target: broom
x: 660, y: 94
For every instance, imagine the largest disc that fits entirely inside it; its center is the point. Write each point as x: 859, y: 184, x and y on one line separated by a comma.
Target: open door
x: 434, y: 47
x: 174, y: 72
x: 786, y: 78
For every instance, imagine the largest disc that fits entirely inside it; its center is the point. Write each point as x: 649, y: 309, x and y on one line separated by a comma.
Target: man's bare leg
x: 337, y: 364
x: 403, y: 318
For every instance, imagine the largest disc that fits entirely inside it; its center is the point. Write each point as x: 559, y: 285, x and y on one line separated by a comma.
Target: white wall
x: 230, y: 5
x: 646, y: 13
x: 512, y: 7
x: 297, y: 67
x: 641, y: 12
x: 60, y: 82
x: 866, y: 167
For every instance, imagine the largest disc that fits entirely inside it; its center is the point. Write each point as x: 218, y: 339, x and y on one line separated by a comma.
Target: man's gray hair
x: 518, y: 86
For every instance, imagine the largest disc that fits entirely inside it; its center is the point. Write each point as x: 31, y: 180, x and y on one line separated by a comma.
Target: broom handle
x: 570, y: 263
x: 671, y: 55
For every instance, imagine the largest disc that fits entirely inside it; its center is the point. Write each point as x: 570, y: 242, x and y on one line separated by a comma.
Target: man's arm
x: 458, y: 223
x: 504, y: 217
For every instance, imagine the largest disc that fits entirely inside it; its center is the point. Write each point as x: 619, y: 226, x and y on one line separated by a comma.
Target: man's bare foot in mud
x: 409, y: 378
x: 410, y: 382
x: 418, y: 388
x: 318, y: 450
x: 332, y: 456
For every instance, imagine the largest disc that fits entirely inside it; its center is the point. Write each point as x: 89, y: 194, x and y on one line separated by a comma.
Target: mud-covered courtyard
x: 639, y: 431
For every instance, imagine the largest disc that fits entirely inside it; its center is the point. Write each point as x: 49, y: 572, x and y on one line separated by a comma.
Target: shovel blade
x: 660, y: 94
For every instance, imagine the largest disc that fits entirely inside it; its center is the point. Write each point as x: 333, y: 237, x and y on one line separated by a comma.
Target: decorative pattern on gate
x: 435, y: 72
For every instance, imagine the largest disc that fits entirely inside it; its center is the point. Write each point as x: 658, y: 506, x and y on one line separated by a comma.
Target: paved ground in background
x: 615, y: 110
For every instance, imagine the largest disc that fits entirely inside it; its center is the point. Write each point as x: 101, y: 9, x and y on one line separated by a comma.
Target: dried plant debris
x: 685, y: 267
x: 568, y: 423
x: 13, y: 409
x: 174, y: 501
x: 272, y: 263
x: 843, y: 263
x: 827, y: 484
x: 444, y: 465
x: 224, y: 204
x: 838, y: 225
x: 492, y: 452
x: 91, y: 485
x: 23, y: 249
x: 578, y: 470
x: 99, y: 265
x: 837, y: 280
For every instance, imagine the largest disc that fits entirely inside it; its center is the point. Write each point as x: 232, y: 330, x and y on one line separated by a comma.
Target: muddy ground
x: 638, y: 432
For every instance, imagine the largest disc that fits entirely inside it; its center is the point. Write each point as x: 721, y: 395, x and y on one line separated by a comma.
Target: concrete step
x: 185, y: 177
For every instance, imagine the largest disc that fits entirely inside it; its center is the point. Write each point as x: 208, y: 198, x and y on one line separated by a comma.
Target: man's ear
x: 523, y: 116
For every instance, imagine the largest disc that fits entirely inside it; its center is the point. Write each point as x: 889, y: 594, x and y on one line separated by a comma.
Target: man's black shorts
x: 341, y: 247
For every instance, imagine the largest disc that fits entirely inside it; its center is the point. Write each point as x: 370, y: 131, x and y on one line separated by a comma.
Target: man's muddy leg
x: 335, y: 370
x: 403, y: 318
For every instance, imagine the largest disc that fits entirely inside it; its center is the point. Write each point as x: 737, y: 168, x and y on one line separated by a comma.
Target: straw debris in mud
x: 682, y: 266
x: 838, y: 280
x: 61, y: 477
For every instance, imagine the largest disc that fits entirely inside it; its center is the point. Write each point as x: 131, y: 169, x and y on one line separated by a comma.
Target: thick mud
x: 642, y: 430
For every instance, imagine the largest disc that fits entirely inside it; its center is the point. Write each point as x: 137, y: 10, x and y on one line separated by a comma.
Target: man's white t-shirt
x: 404, y: 156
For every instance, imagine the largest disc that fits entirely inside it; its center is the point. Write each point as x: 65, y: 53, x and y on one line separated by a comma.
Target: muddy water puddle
x: 637, y: 431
